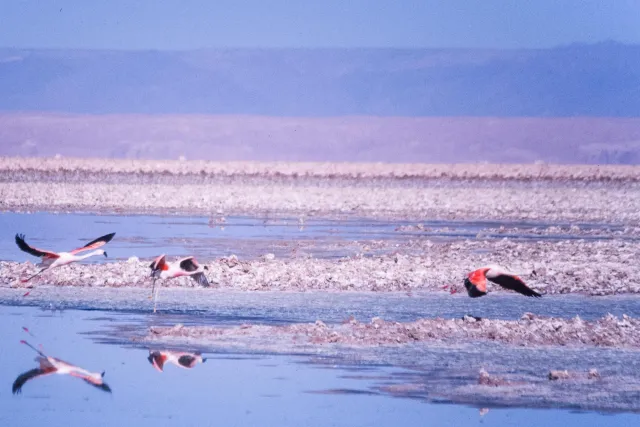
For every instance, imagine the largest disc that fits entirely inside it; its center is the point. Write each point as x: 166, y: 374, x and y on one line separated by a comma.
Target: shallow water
x: 261, y: 383
x: 147, y: 236
x: 230, y: 389
x: 231, y: 307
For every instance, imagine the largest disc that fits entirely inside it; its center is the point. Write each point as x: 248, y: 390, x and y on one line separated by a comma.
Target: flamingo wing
x: 33, y: 251
x: 201, y: 279
x: 95, y: 244
x: 514, y: 283
x: 187, y: 361
x: 159, y: 263
x: 189, y: 264
x: 34, y: 373
x: 157, y: 359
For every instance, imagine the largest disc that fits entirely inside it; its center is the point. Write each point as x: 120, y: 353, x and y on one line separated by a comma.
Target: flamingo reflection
x: 50, y: 365
x: 182, y: 359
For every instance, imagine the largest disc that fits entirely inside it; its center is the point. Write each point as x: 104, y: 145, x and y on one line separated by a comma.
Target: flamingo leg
x: 155, y: 298
x: 153, y: 287
x: 35, y: 349
x: 31, y: 277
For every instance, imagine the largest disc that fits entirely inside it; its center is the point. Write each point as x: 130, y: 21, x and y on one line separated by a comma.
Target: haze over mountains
x: 406, y: 85
x: 577, y: 80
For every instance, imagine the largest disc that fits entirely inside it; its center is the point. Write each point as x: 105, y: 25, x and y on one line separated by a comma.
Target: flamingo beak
x: 102, y: 374
x: 206, y: 268
x: 204, y: 359
x: 105, y: 254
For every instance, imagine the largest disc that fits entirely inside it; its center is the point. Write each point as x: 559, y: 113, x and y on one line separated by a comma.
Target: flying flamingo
x: 51, y: 365
x: 56, y: 259
x: 476, y: 282
x: 181, y: 359
x: 161, y: 269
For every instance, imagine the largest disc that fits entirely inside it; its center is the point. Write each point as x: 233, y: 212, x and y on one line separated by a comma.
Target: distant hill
x: 594, y: 140
x: 576, y: 80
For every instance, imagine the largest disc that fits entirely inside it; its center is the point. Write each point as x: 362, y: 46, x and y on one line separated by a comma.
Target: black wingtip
x: 532, y: 294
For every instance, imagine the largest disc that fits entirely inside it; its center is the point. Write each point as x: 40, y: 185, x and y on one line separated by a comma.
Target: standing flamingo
x: 51, y: 365
x: 180, y: 359
x: 56, y: 259
x: 161, y: 269
x: 476, y: 282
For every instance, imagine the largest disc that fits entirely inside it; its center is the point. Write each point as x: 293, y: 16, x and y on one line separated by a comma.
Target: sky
x: 194, y: 24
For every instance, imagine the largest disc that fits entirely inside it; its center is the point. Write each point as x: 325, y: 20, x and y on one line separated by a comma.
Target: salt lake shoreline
x: 529, y: 331
x: 605, y: 267
x: 580, y: 261
x: 555, y: 194
x: 552, y: 193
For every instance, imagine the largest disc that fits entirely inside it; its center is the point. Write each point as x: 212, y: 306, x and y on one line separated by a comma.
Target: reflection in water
x: 266, y: 390
x: 182, y: 359
x: 50, y: 365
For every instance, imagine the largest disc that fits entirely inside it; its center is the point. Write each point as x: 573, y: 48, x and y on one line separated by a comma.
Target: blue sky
x: 192, y: 24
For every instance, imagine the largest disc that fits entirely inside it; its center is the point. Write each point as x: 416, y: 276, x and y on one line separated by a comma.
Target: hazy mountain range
x: 577, y: 80
x: 321, y: 104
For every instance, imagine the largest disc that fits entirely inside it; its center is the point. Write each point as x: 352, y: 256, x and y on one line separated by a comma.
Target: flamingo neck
x: 90, y: 254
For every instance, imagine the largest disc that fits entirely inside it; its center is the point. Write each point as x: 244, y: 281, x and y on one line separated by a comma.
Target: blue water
x: 220, y: 306
x: 266, y: 388
x: 147, y: 236
x: 245, y: 390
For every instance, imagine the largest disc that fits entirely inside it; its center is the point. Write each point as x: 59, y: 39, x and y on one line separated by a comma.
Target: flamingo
x: 476, y: 282
x: 51, y: 365
x: 180, y: 359
x: 161, y: 269
x: 56, y: 259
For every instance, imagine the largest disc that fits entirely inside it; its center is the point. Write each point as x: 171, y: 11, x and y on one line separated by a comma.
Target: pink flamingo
x: 476, y: 282
x: 161, y: 269
x: 56, y: 259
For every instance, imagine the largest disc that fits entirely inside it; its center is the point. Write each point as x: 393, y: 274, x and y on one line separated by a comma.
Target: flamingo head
x: 100, y: 252
x: 95, y: 378
x: 473, y: 290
